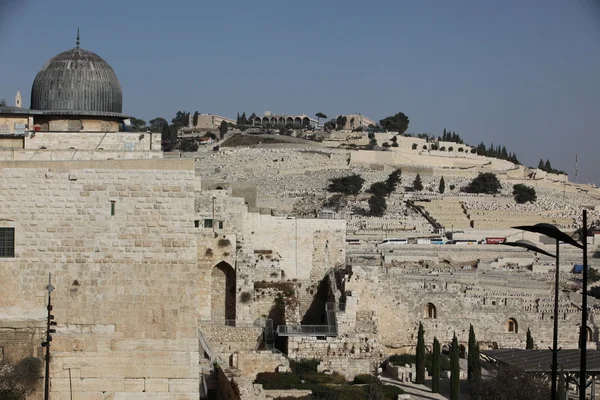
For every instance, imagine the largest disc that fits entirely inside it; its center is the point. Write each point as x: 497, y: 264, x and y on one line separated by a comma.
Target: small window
x: 430, y: 311
x: 221, y: 224
x: 208, y: 223
x: 197, y: 223
x: 7, y: 242
x: 512, y: 326
x: 112, y: 207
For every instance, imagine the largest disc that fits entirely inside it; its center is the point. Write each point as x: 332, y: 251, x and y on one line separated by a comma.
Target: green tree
x: 485, y: 182
x: 442, y: 187
x: 243, y: 119
x: 138, y: 125
x: 548, y: 166
x: 17, y: 381
x: 195, y: 118
x: 346, y: 184
x: 417, y: 184
x: 377, y: 206
x: 395, y: 123
x: 392, y: 181
x: 379, y: 189
x: 435, y: 367
x: 223, y: 129
x: 470, y: 362
x: 336, y: 202
x: 529, y: 344
x: 420, y: 362
x: 2, y: 103
x: 512, y: 383
x: 524, y: 194
x: 320, y: 115
x: 454, y: 370
x: 541, y: 164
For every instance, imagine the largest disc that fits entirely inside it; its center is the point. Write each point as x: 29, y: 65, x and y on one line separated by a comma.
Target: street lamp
x: 555, y: 233
x: 49, y: 330
x: 526, y: 244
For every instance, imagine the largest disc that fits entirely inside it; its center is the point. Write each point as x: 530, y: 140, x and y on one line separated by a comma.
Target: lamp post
x: 49, y: 330
x: 555, y: 233
x: 530, y: 246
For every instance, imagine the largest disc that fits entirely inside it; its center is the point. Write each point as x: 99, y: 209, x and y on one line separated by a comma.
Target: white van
x: 391, y: 242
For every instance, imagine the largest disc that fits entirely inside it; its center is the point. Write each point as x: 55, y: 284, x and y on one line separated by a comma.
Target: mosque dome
x: 77, y: 82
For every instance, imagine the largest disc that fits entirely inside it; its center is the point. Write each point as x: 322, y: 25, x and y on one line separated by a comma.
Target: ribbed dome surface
x: 79, y: 81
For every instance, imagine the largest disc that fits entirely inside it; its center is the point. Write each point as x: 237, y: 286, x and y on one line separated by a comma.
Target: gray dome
x: 77, y: 81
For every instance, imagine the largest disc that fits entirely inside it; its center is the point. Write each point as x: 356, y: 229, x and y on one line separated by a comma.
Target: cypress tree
x: 417, y: 183
x: 454, y: 370
x: 442, y: 187
x: 548, y: 166
x: 471, y: 363
x: 435, y: 367
x: 529, y: 344
x: 476, y: 370
x: 541, y: 164
x: 420, y: 379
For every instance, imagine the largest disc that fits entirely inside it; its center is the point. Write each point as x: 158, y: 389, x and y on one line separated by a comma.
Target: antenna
x: 576, y: 162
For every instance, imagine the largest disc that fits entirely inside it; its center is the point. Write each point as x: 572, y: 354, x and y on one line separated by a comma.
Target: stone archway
x: 223, y: 294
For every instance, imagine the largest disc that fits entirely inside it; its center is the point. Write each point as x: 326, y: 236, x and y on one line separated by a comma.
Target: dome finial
x: 77, y: 37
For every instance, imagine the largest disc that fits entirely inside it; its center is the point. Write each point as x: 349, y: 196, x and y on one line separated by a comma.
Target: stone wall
x: 126, y: 295
x: 253, y: 362
x: 107, y: 141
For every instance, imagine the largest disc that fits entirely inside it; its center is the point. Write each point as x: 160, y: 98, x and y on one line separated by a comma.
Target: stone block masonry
x: 118, y: 238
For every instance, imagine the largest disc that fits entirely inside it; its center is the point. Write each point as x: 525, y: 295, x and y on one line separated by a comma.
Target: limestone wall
x: 126, y: 284
x: 107, y: 141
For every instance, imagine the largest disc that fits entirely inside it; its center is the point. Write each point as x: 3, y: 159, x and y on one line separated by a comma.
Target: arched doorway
x: 223, y: 294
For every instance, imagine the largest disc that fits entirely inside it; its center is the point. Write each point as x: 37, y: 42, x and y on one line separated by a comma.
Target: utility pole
x: 49, y: 331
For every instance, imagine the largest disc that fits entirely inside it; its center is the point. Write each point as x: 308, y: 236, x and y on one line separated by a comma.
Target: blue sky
x: 521, y: 73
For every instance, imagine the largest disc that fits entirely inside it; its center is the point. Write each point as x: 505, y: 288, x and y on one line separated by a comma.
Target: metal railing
x: 307, y: 330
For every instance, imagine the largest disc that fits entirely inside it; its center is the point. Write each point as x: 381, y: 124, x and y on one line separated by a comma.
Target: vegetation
x: 403, y: 359
x: 223, y: 242
x: 420, y: 365
x: 188, y: 145
x: 336, y: 202
x: 223, y: 128
x: 377, y: 206
x: 547, y: 167
x: 473, y: 366
x: 485, y: 182
x: 2, y: 103
x: 435, y: 367
x: 529, y: 344
x: 442, y: 187
x: 320, y: 115
x: 138, y: 125
x: 351, y: 184
x: 324, y: 386
x: 245, y: 297
x: 417, y: 183
x: 455, y: 371
x: 372, y: 140
x: 524, y: 194
x: 496, y: 152
x: 19, y: 380
x: 395, y: 123
x: 512, y: 383
x: 448, y: 136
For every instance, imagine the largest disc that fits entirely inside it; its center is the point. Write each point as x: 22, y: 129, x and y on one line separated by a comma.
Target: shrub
x: 347, y: 184
x: 208, y: 252
x: 524, y: 194
x: 245, y: 297
x: 223, y: 243
x: 336, y: 202
x: 364, y: 379
x: 460, y: 150
x: 452, y: 187
x: 188, y: 145
x: 473, y: 151
x: 424, y: 147
x: 417, y: 183
x: 414, y: 146
x: 304, y: 366
x: 278, y: 380
x: 443, y: 148
x: 487, y: 183
x: 450, y: 148
x: 386, y: 144
x: 403, y: 359
x: 395, y: 144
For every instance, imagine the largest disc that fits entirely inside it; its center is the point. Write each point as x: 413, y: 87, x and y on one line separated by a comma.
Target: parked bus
x: 462, y: 241
x: 393, y: 241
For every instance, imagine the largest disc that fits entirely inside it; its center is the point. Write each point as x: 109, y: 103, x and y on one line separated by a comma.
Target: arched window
x: 430, y: 311
x: 512, y: 326
x: 589, y: 334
